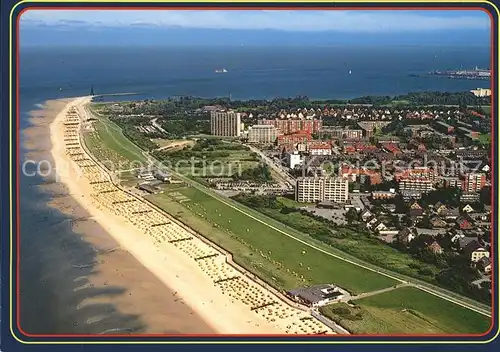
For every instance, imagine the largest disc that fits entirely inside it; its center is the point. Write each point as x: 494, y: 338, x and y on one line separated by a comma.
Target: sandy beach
x: 170, y: 266
x: 166, y: 278
x: 116, y: 294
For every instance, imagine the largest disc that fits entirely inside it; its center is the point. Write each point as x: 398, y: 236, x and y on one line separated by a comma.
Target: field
x: 171, y: 144
x: 258, y: 244
x: 210, y: 159
x: 108, y: 144
x: 356, y: 243
x: 406, y: 310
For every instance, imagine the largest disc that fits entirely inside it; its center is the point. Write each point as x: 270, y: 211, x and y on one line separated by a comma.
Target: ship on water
x: 221, y: 70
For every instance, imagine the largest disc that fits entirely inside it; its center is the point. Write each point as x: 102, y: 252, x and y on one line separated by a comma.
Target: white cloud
x: 334, y: 20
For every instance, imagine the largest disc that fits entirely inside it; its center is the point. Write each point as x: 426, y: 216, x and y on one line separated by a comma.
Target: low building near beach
x: 150, y: 187
x: 318, y: 295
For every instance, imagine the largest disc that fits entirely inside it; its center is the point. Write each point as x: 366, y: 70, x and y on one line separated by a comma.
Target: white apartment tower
x: 314, y: 189
x: 225, y: 123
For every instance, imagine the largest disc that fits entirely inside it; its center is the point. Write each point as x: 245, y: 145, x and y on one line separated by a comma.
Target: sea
x: 159, y: 72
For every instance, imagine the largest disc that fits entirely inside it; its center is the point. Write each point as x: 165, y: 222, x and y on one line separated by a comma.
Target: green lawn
x: 485, y: 139
x: 108, y: 144
x: 291, y: 259
x: 358, y: 244
x: 406, y: 310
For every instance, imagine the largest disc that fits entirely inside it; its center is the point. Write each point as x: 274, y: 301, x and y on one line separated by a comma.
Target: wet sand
x: 97, y: 286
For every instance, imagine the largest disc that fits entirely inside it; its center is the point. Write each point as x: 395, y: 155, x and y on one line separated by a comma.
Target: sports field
x: 406, y: 310
x: 294, y: 263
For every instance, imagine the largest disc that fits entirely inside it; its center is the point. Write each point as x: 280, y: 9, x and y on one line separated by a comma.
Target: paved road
x: 289, y: 179
x: 431, y: 289
x: 372, y: 293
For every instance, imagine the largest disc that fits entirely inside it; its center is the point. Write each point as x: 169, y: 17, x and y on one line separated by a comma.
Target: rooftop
x: 315, y: 294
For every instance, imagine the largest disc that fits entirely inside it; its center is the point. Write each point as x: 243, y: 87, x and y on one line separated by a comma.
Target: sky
x: 54, y: 25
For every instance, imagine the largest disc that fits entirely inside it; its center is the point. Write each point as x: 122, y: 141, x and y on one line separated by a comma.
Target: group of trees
x: 444, y: 98
x: 261, y: 173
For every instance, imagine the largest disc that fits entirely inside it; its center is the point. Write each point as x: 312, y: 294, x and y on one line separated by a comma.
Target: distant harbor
x: 476, y: 73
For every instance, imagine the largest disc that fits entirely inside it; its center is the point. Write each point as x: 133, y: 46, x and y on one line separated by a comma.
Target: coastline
x: 171, y: 267
x: 98, y: 286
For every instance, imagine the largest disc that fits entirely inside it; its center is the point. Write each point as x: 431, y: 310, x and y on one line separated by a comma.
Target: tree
x: 351, y: 216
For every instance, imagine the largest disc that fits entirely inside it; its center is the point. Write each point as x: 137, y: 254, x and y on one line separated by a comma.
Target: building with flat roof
x: 225, y: 123
x: 264, y: 134
x: 343, y: 133
x: 481, y: 92
x: 289, y: 126
x: 320, y: 189
x: 473, y: 182
x: 421, y: 185
x: 318, y: 295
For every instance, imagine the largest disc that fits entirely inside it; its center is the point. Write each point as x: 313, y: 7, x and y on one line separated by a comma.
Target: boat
x: 350, y: 71
x: 221, y: 70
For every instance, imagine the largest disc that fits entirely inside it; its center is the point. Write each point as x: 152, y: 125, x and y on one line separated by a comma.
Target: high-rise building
x: 225, y: 123
x: 262, y: 134
x: 314, y: 189
x: 288, y: 126
x: 474, y: 182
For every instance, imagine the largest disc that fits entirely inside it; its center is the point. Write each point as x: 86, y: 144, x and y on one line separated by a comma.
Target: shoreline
x: 93, y: 284
x: 193, y: 287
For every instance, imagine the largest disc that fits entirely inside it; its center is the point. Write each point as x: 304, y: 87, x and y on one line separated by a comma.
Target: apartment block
x: 422, y: 185
x: 288, y: 126
x: 320, y: 189
x: 473, y: 182
x: 262, y: 134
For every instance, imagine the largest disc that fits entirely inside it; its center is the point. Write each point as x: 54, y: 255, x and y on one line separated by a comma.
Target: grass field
x: 171, y: 144
x: 406, y: 310
x: 358, y: 244
x: 295, y: 264
x: 108, y: 144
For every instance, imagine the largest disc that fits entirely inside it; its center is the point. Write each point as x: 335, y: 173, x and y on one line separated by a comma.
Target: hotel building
x: 225, y: 124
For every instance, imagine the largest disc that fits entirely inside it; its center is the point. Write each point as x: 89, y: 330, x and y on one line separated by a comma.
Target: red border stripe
x: 102, y: 337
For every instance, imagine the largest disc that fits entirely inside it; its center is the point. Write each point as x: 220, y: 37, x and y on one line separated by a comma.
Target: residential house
x: 371, y: 223
x: 415, y: 205
x: 365, y: 215
x: 440, y: 207
x: 463, y: 241
x: 484, y: 216
x: 416, y: 213
x: 468, y: 209
x: 464, y: 224
x: 405, y: 236
x: 435, y: 248
x: 484, y: 264
x: 380, y: 227
x: 437, y: 222
x: 450, y: 214
x: 475, y: 251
